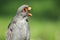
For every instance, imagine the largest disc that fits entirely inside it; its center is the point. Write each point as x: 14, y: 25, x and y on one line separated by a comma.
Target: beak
x: 29, y: 14
x: 29, y: 8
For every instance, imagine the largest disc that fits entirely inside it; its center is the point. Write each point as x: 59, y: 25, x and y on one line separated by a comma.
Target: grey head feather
x: 21, y: 8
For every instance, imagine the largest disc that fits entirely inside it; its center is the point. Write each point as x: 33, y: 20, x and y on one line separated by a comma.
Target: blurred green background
x: 44, y: 24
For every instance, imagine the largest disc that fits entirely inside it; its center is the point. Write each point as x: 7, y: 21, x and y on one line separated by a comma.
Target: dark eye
x: 24, y: 9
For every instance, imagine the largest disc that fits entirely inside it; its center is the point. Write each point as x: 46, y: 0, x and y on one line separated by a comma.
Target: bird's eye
x: 25, y: 9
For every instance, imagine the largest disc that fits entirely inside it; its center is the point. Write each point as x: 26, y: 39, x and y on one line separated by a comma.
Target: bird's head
x: 24, y: 10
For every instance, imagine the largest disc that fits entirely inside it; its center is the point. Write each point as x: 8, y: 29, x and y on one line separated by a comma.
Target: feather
x: 18, y: 29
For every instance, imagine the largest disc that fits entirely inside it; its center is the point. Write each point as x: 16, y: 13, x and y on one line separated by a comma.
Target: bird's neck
x: 21, y: 17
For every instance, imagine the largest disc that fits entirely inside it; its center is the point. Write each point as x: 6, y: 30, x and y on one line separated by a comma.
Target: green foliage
x: 40, y: 9
x: 40, y: 30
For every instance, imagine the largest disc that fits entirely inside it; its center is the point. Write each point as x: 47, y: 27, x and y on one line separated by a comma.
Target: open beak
x: 29, y: 14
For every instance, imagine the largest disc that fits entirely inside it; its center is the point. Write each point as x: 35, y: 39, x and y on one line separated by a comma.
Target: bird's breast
x: 21, y: 27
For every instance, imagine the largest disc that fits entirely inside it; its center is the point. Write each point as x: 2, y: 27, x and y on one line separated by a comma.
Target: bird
x: 18, y: 28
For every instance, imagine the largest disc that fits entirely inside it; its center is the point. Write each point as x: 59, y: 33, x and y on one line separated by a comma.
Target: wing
x: 11, y: 26
x: 9, y: 32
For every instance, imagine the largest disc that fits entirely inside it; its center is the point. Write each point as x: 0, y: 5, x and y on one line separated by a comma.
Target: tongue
x: 29, y: 14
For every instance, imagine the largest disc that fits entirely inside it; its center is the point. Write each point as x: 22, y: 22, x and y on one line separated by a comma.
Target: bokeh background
x: 44, y: 24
